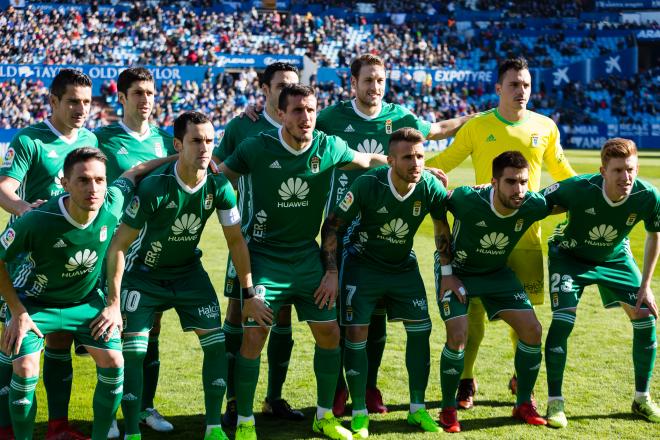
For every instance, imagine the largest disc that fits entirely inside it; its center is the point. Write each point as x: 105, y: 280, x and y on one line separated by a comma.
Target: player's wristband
x: 248, y: 292
x: 445, y: 270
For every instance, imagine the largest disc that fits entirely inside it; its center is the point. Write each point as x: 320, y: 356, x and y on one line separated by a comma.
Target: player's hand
x: 326, y: 294
x: 19, y: 325
x: 252, y: 112
x: 27, y: 207
x: 107, y: 323
x: 481, y: 186
x: 254, y: 308
x: 645, y: 296
x: 452, y: 283
x: 439, y: 174
x: 215, y: 169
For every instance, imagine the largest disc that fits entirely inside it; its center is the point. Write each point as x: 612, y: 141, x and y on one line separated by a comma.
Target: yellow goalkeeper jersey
x: 487, y: 135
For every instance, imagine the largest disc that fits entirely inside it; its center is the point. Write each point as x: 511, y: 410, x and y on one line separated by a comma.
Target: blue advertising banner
x: 436, y: 76
x: 592, y: 136
x: 627, y: 4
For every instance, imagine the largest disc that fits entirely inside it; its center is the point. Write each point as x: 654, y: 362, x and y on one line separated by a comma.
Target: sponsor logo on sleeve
x: 8, y: 238
x: 347, y: 202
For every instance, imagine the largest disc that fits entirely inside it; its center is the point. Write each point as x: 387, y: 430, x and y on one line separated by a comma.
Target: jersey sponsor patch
x: 133, y: 207
x: 8, y: 238
x: 8, y: 160
x: 347, y: 202
x: 552, y: 188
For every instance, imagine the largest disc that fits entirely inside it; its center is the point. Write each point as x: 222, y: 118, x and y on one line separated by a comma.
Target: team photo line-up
x: 104, y: 232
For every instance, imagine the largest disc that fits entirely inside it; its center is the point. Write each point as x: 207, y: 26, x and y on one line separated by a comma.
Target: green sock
x: 418, y: 359
x: 233, y: 340
x: 556, y: 350
x: 280, y: 345
x: 150, y: 372
x: 6, y: 371
x: 134, y: 351
x: 644, y: 351
x: 341, y: 383
x: 528, y: 363
x: 107, y: 397
x: 376, y: 345
x: 246, y: 378
x: 23, y: 407
x: 58, y: 377
x: 451, y: 367
x: 476, y: 330
x: 356, y: 364
x: 214, y: 374
x: 326, y: 369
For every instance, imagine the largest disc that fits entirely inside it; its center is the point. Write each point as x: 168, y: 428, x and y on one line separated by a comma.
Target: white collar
x: 133, y: 133
x: 70, y: 219
x: 492, y: 206
x: 395, y: 193
x: 57, y: 133
x: 364, y: 116
x: 183, y: 185
x: 272, y: 121
x: 289, y: 148
x: 607, y: 199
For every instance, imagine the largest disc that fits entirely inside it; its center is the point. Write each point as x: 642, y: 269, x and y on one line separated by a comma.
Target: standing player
x: 488, y: 223
x: 56, y: 286
x: 290, y: 171
x: 280, y: 343
x: 383, y: 209
x: 510, y: 126
x: 592, y: 247
x: 163, y: 267
x: 127, y: 143
x: 366, y: 124
x: 30, y: 174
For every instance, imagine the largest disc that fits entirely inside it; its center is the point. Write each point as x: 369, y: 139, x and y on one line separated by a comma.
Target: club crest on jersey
x: 8, y: 160
x: 519, y: 225
x: 208, y: 201
x: 158, y: 149
x: 133, y: 207
x: 347, y: 202
x: 103, y: 235
x: 8, y: 238
x: 417, y: 208
x: 388, y: 126
x: 535, y: 140
x: 315, y: 164
x: 631, y: 219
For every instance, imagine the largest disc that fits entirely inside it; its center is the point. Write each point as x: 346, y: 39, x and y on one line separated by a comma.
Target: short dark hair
x: 68, y: 77
x: 516, y: 64
x: 293, y: 90
x: 406, y: 134
x: 272, y: 69
x: 508, y: 159
x: 82, y: 154
x: 131, y: 75
x: 365, y: 60
x: 181, y: 122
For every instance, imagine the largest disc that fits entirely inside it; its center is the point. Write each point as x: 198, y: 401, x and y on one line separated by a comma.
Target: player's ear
x: 121, y: 97
x: 178, y: 145
x: 53, y: 101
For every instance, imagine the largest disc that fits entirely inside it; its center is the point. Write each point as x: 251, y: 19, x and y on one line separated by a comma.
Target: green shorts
x: 232, y: 284
x: 498, y: 291
x: 361, y: 287
x: 618, y: 279
x: 192, y: 296
x: 75, y: 320
x: 290, y: 279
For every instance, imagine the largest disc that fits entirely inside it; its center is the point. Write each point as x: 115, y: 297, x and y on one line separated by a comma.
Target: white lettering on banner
x: 462, y: 75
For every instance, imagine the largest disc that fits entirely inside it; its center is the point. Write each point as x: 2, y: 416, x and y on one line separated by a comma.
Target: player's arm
x: 20, y: 323
x: 555, y: 160
x: 230, y: 174
x: 455, y: 153
x: 651, y: 252
x: 365, y: 160
x: 110, y: 317
x: 139, y: 171
x: 252, y: 306
x: 326, y: 294
x: 9, y: 200
x: 448, y: 128
x: 448, y: 281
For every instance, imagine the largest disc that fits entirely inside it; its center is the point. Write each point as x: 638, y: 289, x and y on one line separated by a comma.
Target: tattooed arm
x: 326, y: 294
x: 448, y: 281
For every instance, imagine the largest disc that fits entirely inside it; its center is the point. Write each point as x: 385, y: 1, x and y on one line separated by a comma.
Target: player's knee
x: 530, y: 332
x: 456, y: 340
x: 110, y: 359
x: 233, y: 315
x: 253, y: 341
x: 59, y: 340
x: 357, y: 333
x: 26, y: 366
x: 326, y: 334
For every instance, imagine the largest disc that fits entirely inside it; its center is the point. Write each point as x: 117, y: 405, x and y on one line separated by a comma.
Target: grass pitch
x: 598, y: 380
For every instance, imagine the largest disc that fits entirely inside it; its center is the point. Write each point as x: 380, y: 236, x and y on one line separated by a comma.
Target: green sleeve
x: 456, y: 199
x: 420, y: 124
x: 559, y: 193
x: 119, y: 194
x: 541, y: 207
x: 19, y: 157
x: 142, y: 206
x: 168, y: 143
x: 15, y: 240
x: 342, y: 153
x: 239, y: 160
x: 438, y: 197
x: 225, y: 197
x: 349, y: 207
x: 227, y: 143
x: 652, y: 220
